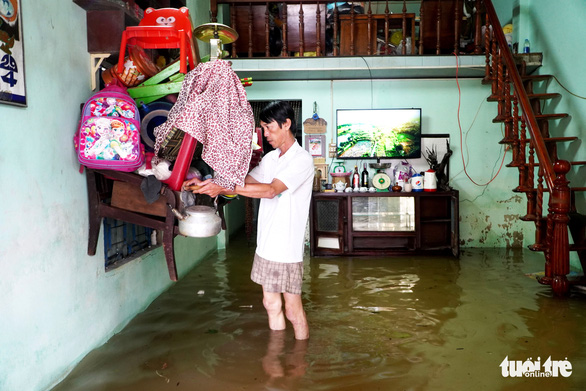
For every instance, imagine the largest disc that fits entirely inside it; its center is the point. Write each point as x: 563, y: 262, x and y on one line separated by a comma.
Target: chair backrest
x: 178, y: 18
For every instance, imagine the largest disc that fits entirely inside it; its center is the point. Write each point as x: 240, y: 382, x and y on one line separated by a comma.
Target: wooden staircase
x: 542, y: 174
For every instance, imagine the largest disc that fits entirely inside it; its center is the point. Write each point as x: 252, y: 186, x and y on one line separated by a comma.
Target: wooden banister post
x: 213, y: 11
x: 559, y: 207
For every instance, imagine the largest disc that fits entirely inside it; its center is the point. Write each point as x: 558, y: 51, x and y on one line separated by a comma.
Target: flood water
x: 383, y: 323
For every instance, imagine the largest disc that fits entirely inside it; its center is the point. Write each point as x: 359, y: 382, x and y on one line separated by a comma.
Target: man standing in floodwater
x: 283, y: 181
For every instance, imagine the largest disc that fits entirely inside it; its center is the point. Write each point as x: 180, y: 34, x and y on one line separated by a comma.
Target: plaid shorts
x: 277, y: 276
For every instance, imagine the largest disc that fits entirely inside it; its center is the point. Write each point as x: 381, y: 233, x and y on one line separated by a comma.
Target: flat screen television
x: 378, y: 133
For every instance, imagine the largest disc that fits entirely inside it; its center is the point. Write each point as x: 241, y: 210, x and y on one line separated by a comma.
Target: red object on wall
x: 182, y: 163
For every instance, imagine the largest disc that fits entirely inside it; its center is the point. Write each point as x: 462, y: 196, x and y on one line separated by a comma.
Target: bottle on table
x: 526, y: 47
x: 365, y: 176
x: 356, y: 178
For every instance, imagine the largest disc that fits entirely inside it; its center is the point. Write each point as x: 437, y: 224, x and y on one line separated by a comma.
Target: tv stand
x: 384, y: 223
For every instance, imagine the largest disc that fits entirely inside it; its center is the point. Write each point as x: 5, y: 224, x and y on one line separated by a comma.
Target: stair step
x: 543, y: 96
x: 545, y: 139
x: 537, y: 247
x: 536, y: 77
x: 545, y: 189
x: 524, y: 164
x: 559, y: 139
x: 536, y: 96
x: 551, y: 116
x: 532, y: 218
x: 539, y: 117
x: 542, y: 247
x: 576, y: 163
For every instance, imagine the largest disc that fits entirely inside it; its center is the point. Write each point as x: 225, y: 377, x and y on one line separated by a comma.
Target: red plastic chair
x: 165, y: 28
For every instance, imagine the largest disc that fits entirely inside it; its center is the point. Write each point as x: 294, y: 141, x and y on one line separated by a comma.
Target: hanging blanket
x: 212, y: 108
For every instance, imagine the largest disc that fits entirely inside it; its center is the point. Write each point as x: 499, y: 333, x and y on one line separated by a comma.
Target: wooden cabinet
x: 384, y: 223
x: 355, y: 34
x: 106, y: 20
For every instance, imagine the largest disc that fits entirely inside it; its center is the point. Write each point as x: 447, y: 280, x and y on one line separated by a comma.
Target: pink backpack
x: 109, y: 132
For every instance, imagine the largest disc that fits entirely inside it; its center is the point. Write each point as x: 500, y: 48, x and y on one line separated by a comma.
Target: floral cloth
x: 212, y: 108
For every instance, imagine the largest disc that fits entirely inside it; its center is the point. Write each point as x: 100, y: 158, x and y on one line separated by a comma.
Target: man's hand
x: 193, y: 183
x: 210, y: 188
x: 198, y: 186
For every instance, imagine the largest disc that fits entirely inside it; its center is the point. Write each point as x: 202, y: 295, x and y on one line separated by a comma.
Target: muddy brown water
x: 376, y: 323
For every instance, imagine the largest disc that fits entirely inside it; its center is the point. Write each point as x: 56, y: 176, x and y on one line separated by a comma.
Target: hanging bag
x: 108, y: 136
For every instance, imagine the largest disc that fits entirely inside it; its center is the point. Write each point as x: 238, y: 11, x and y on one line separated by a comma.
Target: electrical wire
x: 461, y: 136
x: 371, y: 87
x: 569, y: 92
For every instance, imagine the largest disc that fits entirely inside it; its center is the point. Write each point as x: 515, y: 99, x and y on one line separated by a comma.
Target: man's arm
x: 261, y: 190
x: 252, y: 188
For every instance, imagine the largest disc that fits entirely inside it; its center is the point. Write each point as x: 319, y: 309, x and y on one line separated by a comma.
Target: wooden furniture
x: 384, y: 223
x: 355, y: 35
x: 252, y: 25
x: 440, y: 26
x: 129, y: 205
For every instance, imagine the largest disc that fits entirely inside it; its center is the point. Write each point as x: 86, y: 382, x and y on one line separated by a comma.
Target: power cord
x: 506, y: 148
x: 371, y: 88
x: 568, y: 91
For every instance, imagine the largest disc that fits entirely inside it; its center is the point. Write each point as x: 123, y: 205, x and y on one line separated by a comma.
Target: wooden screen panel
x: 309, y: 29
x: 258, y: 29
x: 428, y: 23
x: 259, y: 39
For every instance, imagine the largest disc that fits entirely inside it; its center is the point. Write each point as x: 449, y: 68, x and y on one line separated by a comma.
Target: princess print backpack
x: 108, y: 136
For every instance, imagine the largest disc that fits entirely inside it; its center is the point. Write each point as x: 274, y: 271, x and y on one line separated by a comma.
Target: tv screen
x: 378, y: 133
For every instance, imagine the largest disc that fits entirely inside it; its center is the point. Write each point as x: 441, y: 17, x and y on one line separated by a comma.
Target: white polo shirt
x: 282, y: 220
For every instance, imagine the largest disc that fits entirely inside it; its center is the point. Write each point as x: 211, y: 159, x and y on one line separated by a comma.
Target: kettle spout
x: 177, y: 214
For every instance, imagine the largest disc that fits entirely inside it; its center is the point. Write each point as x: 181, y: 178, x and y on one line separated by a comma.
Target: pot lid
x: 199, y: 210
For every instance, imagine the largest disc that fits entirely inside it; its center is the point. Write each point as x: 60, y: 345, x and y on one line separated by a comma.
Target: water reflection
x: 282, y: 366
x: 414, y: 323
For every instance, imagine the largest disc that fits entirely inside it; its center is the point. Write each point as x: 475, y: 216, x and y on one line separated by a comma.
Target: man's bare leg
x: 274, y: 306
x: 296, y: 315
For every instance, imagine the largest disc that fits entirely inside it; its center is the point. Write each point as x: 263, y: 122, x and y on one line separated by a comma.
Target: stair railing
x: 502, y: 70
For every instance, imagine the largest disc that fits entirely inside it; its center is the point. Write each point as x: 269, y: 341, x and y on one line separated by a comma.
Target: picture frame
x: 12, y: 69
x: 315, y: 144
x: 438, y: 142
x: 323, y: 170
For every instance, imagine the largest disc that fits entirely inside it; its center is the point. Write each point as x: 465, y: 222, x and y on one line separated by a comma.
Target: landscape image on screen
x: 379, y: 133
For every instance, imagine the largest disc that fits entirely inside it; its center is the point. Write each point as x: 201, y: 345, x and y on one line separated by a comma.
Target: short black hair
x: 278, y: 111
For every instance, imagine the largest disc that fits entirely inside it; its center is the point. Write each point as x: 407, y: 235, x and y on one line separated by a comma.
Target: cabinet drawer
x: 383, y: 243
